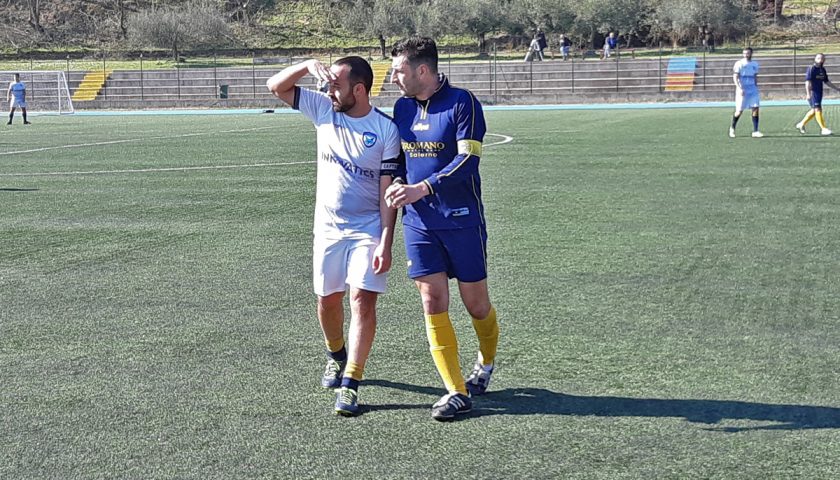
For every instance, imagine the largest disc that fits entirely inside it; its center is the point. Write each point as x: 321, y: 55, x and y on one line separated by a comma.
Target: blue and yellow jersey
x: 441, y: 139
x: 817, y: 76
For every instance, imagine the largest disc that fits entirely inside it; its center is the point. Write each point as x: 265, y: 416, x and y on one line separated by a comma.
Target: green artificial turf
x: 668, y: 300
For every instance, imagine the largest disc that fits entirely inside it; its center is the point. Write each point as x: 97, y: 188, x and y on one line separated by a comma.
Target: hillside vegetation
x: 91, y: 25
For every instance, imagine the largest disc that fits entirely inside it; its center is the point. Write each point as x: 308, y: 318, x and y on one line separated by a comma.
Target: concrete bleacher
x: 552, y: 81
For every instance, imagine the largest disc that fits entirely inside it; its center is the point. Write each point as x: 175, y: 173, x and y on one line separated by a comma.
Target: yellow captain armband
x: 469, y: 147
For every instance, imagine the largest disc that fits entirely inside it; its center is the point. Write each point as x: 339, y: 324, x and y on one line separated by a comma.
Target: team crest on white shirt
x: 369, y: 138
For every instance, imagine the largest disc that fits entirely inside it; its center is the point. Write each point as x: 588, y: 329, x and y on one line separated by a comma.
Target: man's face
x: 819, y: 59
x: 341, y: 92
x: 748, y: 54
x: 405, y: 77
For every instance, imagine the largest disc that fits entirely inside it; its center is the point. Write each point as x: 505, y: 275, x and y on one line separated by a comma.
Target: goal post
x: 47, y: 92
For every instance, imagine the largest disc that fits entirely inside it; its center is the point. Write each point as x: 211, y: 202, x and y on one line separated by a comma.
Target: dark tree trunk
x: 35, y: 15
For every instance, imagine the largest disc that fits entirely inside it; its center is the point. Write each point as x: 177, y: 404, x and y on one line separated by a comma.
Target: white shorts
x: 15, y: 103
x: 339, y: 264
x: 746, y: 100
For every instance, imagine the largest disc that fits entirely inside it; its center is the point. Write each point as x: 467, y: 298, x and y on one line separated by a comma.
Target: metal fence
x: 495, y: 73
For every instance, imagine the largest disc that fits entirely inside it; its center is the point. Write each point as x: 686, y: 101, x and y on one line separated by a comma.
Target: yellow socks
x: 487, y: 331
x: 444, y: 348
x: 808, y: 117
x: 335, y: 345
x: 354, y: 371
x: 820, y: 119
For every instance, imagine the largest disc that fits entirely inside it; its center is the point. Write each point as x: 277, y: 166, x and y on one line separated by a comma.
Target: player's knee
x: 434, y: 300
x: 479, y: 310
x: 363, y: 302
x: 434, y: 292
x: 330, y: 302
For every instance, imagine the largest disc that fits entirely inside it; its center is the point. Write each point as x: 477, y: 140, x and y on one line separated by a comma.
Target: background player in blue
x: 745, y: 76
x: 441, y: 128
x: 353, y: 228
x: 815, y: 76
x: 17, y: 94
x: 610, y: 45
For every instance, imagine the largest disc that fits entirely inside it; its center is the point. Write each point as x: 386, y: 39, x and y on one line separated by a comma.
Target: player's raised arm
x: 282, y: 84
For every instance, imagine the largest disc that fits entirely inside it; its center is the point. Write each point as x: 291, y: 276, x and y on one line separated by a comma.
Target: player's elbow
x: 273, y: 85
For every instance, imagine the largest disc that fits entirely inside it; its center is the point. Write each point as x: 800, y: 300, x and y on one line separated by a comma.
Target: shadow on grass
x: 538, y: 401
x: 18, y: 189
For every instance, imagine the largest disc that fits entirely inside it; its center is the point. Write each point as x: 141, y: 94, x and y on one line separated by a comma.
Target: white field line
x: 505, y: 139
x: 147, y: 170
x: 129, y: 140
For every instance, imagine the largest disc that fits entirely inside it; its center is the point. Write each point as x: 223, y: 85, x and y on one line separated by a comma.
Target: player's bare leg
x: 359, y: 342
x: 331, y: 318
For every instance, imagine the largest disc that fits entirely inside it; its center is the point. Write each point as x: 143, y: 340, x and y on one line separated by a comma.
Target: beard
x: 340, y: 107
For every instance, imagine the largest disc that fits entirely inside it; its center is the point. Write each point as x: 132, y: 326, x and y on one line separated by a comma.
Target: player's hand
x: 320, y: 71
x: 390, y: 194
x: 399, y: 195
x: 381, y: 259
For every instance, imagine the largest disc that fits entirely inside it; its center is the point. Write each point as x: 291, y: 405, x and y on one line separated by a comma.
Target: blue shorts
x: 461, y: 253
x: 815, y: 101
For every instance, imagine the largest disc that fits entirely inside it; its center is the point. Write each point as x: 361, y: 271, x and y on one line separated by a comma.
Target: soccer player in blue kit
x: 442, y: 128
x: 16, y: 96
x: 815, y: 77
x: 745, y: 76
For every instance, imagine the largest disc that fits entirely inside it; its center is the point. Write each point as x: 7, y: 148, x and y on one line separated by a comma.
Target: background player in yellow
x: 815, y: 77
x: 442, y: 127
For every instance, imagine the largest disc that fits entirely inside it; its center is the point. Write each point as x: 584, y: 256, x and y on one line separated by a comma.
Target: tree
x: 35, y: 15
x: 385, y: 19
x: 190, y: 26
x: 245, y: 10
x: 678, y: 19
x: 476, y: 17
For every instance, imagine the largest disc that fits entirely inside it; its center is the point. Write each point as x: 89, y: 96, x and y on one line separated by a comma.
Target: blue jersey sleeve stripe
x: 472, y: 114
x: 296, y: 101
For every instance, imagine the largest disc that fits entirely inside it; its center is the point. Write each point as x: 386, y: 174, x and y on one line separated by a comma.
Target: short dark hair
x: 360, y: 71
x: 418, y: 50
x: 749, y: 48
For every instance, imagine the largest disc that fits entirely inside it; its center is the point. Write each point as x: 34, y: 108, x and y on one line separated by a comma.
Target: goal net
x: 46, y: 90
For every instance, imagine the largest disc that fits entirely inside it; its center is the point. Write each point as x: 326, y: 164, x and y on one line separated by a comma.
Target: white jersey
x: 351, y: 152
x: 747, y: 70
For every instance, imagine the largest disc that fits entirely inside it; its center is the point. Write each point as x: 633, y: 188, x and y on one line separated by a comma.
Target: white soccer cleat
x: 825, y: 131
x: 731, y: 132
x: 757, y: 134
x: 801, y: 128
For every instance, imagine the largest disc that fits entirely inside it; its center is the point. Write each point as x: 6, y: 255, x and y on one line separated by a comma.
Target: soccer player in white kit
x: 358, y: 148
x: 745, y: 76
x: 17, y: 94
